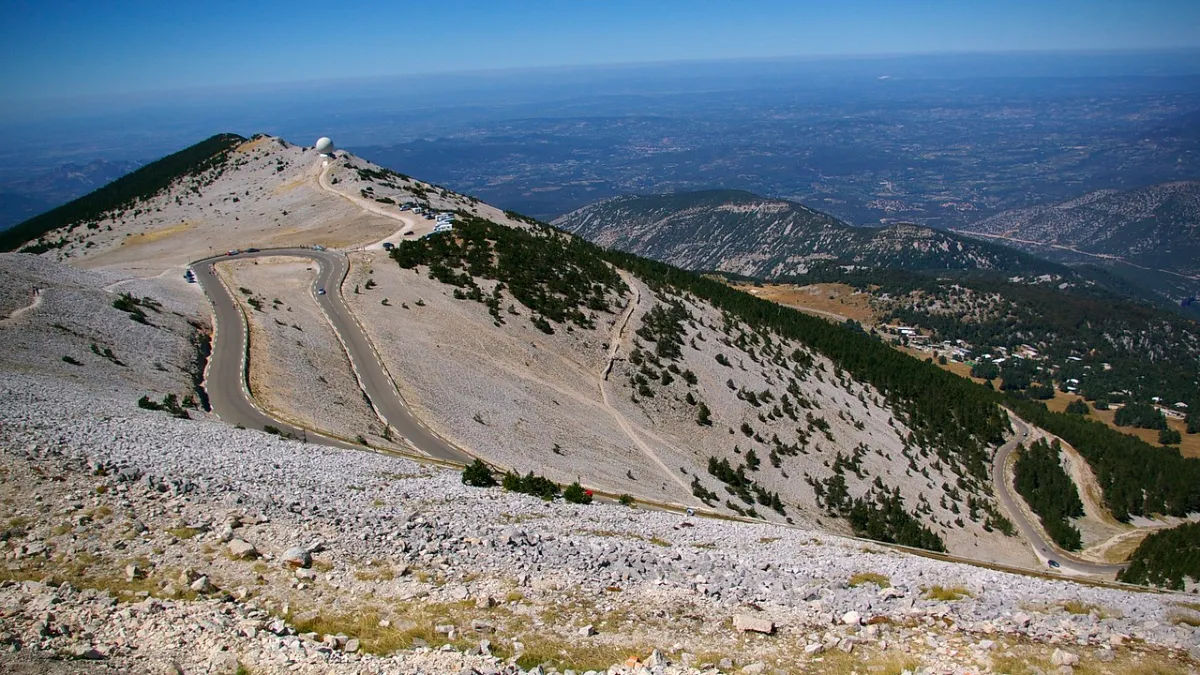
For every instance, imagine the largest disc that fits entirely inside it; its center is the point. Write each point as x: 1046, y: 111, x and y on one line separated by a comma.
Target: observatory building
x: 325, y: 146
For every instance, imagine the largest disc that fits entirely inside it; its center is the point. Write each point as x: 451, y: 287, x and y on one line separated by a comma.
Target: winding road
x: 1042, y: 548
x: 225, y: 379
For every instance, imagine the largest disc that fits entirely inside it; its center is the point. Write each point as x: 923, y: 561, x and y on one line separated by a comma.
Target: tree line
x: 1166, y: 558
x: 1137, y: 478
x: 1049, y: 491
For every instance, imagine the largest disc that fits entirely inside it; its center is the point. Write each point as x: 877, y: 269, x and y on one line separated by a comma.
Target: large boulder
x: 297, y: 557
x: 749, y: 622
x: 1062, y: 658
x: 240, y: 549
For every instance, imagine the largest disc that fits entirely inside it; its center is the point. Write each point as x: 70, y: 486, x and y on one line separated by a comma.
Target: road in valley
x: 226, y: 376
x: 1043, y: 549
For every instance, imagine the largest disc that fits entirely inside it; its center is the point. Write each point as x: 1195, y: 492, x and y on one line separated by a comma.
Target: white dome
x: 325, y: 146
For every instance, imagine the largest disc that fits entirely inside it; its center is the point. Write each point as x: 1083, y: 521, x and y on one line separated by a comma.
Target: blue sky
x: 63, y: 50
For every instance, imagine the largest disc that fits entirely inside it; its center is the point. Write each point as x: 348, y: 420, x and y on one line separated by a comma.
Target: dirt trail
x: 619, y: 330
x: 113, y: 286
x: 618, y: 335
x: 34, y: 304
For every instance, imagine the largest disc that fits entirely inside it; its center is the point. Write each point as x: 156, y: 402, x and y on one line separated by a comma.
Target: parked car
x: 232, y: 252
x: 320, y: 291
x: 1054, y: 564
x: 251, y: 250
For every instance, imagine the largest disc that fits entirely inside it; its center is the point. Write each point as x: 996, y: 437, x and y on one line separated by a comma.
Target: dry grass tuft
x: 840, y: 663
x: 862, y: 578
x: 183, y: 533
x: 1078, y: 607
x: 947, y: 593
x: 1185, y: 619
x: 420, y: 622
x: 578, y: 655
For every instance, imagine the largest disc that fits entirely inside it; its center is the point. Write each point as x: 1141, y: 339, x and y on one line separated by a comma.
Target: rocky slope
x: 137, y: 542
x: 276, y: 556
x: 743, y: 233
x: 1156, y: 226
x: 780, y: 413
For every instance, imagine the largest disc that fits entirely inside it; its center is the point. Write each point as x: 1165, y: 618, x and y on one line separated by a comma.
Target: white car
x: 320, y: 291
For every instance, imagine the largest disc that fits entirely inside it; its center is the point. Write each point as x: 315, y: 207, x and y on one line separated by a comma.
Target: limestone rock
x: 240, y: 549
x: 297, y: 557
x: 1063, y: 658
x: 749, y: 622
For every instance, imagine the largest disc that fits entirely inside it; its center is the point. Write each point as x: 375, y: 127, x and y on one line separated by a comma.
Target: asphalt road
x: 1044, y: 549
x: 226, y: 381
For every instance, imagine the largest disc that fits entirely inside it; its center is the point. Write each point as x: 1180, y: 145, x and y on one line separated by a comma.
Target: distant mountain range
x: 26, y: 196
x: 743, y: 233
x: 1156, y: 227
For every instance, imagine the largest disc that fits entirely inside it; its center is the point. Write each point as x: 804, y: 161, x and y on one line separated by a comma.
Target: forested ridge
x: 1166, y: 558
x: 952, y: 414
x: 548, y: 272
x: 1138, y: 479
x: 122, y: 193
x: 1044, y: 484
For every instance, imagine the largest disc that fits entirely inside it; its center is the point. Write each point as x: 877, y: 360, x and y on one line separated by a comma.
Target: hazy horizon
x: 59, y: 49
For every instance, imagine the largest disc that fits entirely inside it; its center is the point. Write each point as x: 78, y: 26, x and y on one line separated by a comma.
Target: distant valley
x: 27, y: 193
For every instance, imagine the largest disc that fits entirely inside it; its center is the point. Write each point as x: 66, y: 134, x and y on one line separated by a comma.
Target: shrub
x: 722, y: 360
x: 72, y: 361
x: 1141, y: 415
x: 1078, y: 407
x: 1169, y: 437
x: 626, y: 500
x: 538, y: 486
x: 575, y: 494
x: 477, y: 474
x: 703, y: 416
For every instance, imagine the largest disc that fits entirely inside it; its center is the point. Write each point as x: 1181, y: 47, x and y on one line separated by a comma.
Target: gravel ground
x: 95, y: 480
